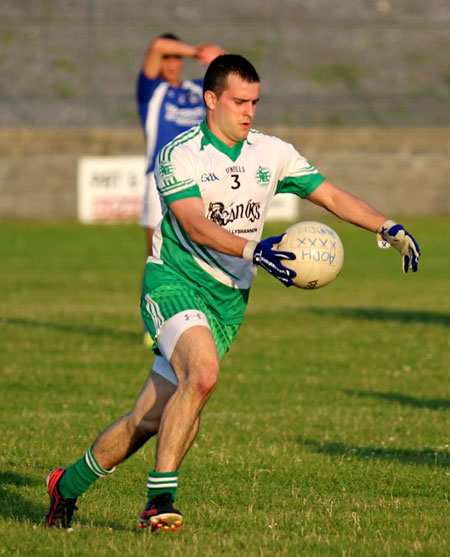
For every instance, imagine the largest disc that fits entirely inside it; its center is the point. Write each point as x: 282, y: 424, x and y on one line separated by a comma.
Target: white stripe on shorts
x: 156, y: 315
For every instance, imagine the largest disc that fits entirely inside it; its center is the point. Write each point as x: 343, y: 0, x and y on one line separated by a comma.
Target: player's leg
x: 125, y: 436
x: 120, y: 440
x: 195, y: 361
x: 196, y: 365
x: 193, y: 341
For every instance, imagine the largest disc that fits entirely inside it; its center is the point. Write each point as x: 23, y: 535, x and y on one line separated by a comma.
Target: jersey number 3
x: 236, y: 184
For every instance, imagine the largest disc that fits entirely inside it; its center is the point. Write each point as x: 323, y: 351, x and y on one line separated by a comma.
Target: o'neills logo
x: 218, y: 214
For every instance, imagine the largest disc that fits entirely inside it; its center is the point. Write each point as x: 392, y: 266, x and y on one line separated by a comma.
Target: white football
x: 319, y: 253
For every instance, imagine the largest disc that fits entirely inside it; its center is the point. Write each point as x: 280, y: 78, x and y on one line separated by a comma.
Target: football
x: 319, y: 253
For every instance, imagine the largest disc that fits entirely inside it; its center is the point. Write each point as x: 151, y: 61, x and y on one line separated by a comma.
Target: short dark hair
x: 221, y: 67
x: 169, y: 36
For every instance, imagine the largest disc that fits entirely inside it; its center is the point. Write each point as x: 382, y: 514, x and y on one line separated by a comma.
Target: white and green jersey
x: 236, y: 186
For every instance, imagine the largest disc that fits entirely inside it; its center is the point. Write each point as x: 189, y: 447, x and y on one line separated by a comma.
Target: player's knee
x: 204, y: 379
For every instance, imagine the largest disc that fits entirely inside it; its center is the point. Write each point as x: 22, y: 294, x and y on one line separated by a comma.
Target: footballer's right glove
x: 392, y: 234
x: 264, y: 255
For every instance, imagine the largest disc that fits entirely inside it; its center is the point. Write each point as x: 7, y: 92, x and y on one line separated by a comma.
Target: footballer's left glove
x: 264, y: 255
x: 392, y: 234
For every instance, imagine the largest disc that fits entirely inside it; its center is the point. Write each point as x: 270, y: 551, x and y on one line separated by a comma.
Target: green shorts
x: 168, y: 300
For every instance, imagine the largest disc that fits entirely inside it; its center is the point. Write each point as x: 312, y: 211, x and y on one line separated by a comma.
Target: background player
x: 167, y: 105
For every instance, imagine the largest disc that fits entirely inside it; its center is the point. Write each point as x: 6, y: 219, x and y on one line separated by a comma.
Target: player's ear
x: 210, y: 100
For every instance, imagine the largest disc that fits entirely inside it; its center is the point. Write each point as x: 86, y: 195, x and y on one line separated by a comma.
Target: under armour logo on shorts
x: 188, y: 316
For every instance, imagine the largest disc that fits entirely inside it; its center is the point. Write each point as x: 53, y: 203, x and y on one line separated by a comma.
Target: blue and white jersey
x: 167, y: 111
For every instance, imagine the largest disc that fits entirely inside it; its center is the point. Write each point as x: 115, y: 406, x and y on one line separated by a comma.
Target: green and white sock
x: 81, y: 475
x: 162, y: 482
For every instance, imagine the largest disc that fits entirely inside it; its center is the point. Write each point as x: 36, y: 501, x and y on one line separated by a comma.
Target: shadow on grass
x: 13, y: 478
x: 419, y: 457
x: 15, y: 506
x: 384, y: 314
x: 439, y: 404
x: 77, y: 329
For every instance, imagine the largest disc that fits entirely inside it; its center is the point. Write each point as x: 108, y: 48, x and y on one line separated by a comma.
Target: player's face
x: 230, y: 116
x: 171, y: 69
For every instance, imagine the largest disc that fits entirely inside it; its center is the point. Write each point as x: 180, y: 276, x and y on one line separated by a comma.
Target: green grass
x: 328, y: 433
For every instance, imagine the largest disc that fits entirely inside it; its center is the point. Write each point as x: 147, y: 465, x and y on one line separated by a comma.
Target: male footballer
x: 216, y: 182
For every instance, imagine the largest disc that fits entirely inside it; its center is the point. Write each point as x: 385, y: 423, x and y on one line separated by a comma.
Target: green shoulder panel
x: 300, y: 185
x: 191, y: 191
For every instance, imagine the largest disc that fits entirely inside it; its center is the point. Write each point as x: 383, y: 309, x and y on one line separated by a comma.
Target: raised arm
x: 161, y: 47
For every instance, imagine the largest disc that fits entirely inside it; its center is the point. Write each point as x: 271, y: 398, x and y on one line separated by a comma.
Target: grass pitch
x: 328, y: 433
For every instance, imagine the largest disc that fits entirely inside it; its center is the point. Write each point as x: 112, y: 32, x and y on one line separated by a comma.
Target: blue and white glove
x: 264, y: 255
x: 392, y: 234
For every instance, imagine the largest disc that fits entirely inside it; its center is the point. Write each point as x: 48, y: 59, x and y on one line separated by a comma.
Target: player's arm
x: 356, y: 211
x: 346, y: 206
x: 161, y: 47
x: 190, y: 214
